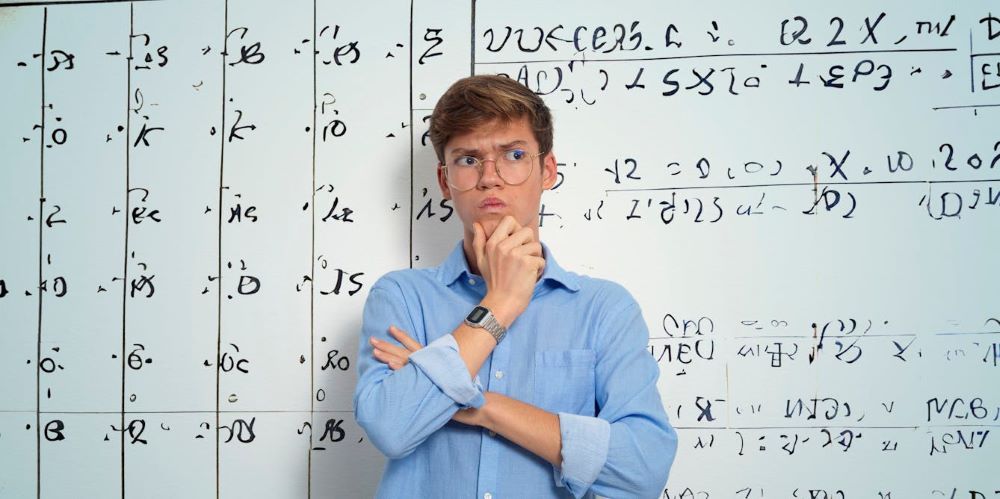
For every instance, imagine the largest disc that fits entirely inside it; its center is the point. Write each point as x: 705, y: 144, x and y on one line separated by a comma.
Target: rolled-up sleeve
x: 629, y: 447
x: 584, y: 450
x: 400, y: 409
x: 441, y: 362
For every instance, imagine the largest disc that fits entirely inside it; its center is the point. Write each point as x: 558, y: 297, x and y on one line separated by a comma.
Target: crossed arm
x: 530, y: 427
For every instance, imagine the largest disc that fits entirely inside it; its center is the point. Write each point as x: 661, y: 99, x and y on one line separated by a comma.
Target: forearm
x: 379, y: 403
x: 475, y: 344
x: 628, y: 457
x: 399, y: 409
x: 530, y: 427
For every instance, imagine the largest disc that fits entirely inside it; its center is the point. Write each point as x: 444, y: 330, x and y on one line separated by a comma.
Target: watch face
x: 477, y: 314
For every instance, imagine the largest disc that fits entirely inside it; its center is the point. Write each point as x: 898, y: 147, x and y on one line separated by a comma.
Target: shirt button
x: 472, y: 282
x: 487, y: 496
x: 498, y: 375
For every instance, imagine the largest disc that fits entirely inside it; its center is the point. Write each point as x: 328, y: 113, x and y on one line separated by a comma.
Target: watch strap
x: 488, y: 322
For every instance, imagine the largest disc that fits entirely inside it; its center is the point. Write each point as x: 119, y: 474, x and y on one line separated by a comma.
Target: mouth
x: 492, y: 203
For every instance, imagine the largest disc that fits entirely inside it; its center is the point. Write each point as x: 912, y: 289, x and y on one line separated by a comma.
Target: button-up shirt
x: 579, y: 350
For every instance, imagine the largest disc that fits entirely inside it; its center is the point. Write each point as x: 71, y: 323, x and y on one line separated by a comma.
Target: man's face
x: 492, y: 198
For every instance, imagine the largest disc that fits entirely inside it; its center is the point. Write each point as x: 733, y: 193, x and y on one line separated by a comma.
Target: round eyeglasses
x: 514, y: 167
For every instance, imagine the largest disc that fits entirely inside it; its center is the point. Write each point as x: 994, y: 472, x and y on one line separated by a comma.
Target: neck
x: 470, y: 256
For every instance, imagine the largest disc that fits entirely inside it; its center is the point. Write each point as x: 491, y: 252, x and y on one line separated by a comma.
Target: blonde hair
x: 480, y: 99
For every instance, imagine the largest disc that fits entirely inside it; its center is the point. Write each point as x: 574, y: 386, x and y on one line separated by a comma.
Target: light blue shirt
x: 579, y: 350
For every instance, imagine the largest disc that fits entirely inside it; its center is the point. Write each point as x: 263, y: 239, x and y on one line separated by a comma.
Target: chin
x: 490, y: 223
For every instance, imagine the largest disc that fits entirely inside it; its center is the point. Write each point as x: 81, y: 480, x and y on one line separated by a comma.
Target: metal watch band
x: 489, y: 323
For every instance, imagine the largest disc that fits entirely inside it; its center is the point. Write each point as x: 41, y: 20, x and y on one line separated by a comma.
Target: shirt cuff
x: 440, y: 362
x: 585, y: 441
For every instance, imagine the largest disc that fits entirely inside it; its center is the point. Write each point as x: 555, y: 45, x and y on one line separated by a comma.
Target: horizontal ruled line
x: 982, y: 332
x: 68, y: 2
x: 825, y: 336
x: 791, y: 336
x: 800, y: 184
x: 965, y: 107
x: 703, y: 56
x: 866, y: 427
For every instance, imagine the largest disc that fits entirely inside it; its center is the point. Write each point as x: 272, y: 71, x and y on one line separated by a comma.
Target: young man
x: 499, y: 374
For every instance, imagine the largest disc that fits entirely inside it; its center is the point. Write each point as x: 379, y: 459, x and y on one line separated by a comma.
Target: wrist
x: 504, y: 311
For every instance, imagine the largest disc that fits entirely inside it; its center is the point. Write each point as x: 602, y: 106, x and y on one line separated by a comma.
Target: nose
x: 490, y: 177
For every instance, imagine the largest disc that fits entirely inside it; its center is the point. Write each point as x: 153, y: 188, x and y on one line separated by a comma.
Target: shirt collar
x: 455, y: 267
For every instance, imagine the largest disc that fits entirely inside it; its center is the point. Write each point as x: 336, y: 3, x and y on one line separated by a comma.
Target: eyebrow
x: 473, y: 152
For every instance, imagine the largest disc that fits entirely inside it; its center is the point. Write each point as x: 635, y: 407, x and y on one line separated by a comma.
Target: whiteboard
x: 196, y: 196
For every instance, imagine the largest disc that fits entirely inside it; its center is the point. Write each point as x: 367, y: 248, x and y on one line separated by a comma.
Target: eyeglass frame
x: 481, y: 165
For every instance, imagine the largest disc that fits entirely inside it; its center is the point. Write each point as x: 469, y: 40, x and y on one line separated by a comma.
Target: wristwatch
x: 481, y: 317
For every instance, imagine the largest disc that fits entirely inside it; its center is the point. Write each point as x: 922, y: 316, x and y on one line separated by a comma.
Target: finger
x: 386, y: 358
x: 478, y: 241
x: 394, y: 350
x: 505, y: 228
x: 516, y: 225
x: 401, y: 336
x: 522, y: 236
x: 464, y: 416
x: 517, y: 241
x: 530, y: 249
x: 540, y: 262
x: 500, y: 239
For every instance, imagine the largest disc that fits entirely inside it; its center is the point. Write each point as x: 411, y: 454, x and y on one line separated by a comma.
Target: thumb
x: 478, y: 242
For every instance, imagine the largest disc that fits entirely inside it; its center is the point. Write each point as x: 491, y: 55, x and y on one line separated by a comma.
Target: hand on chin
x: 490, y: 223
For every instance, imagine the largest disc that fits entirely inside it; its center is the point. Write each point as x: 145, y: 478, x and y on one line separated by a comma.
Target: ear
x: 443, y: 182
x: 549, y: 174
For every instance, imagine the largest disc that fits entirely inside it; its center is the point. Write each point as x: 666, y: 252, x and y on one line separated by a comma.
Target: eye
x: 466, y: 161
x: 514, y: 155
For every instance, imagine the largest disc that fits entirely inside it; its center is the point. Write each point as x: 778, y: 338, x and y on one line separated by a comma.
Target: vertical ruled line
x: 218, y: 274
x: 128, y: 134
x: 972, y: 70
x: 472, y: 41
x: 38, y: 288
x: 412, y: 201
x: 312, y: 275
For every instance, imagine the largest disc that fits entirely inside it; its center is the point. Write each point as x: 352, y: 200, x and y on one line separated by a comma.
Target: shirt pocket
x: 564, y: 381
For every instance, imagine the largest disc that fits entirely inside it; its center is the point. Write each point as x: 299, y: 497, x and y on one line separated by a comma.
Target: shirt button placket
x: 490, y: 451
x: 498, y: 374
